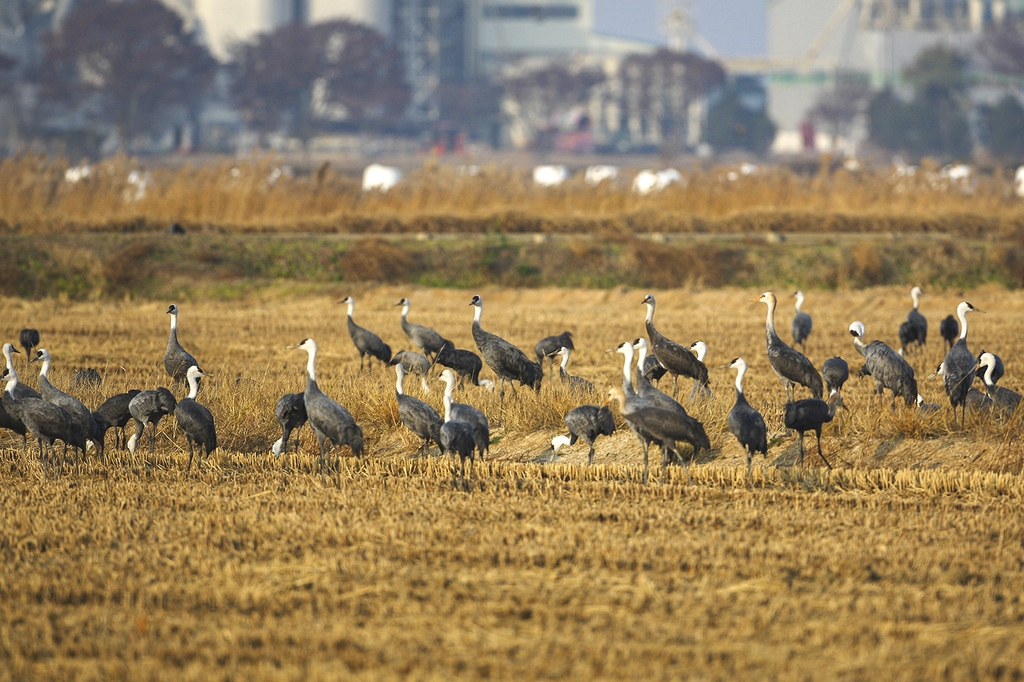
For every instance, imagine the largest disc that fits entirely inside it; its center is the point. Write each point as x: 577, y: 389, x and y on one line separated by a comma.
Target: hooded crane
x: 82, y: 421
x: 632, y: 400
x: 665, y: 426
x: 745, y: 422
x: 366, y: 342
x: 998, y: 369
x: 889, y: 369
x: 949, y: 330
x: 114, y: 414
x: 149, y: 407
x: 413, y: 363
x: 915, y: 328
x: 457, y: 438
x: 587, y: 422
x: 177, y: 360
x: 573, y: 383
x: 195, y: 419
x: 469, y: 414
x: 29, y: 339
x: 291, y: 415
x: 976, y: 401
x: 418, y: 417
x: 802, y: 323
x: 673, y: 357
x: 46, y: 421
x: 466, y: 364
x: 791, y: 366
x: 8, y: 419
x: 835, y: 372
x: 425, y: 338
x: 549, y: 345
x: 329, y: 419
x: 959, y: 366
x: 1002, y: 397
x: 508, y: 362
x: 810, y: 415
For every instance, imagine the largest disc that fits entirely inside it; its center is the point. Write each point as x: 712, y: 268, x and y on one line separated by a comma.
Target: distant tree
x: 737, y: 119
x: 838, y: 108
x: 934, y: 122
x: 537, y: 97
x: 1003, y: 51
x: 304, y: 77
x: 125, y: 63
x: 1001, y: 128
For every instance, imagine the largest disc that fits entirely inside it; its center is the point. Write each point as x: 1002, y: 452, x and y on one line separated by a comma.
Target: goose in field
x: 195, y: 419
x: 791, y: 366
x: 888, y: 368
x: 745, y: 422
x: 366, y: 342
x: 177, y: 360
x: 672, y: 356
x: 505, y: 360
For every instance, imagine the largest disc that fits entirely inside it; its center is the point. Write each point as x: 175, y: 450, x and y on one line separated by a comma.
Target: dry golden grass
x: 254, y: 196
x: 903, y: 563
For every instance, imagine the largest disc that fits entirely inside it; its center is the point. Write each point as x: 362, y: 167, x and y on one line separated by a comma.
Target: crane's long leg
x: 675, y: 385
x: 590, y: 457
x: 801, y: 448
x: 189, y: 467
x: 819, y: 450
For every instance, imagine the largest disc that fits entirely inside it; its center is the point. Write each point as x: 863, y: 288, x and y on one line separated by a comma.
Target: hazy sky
x: 733, y: 27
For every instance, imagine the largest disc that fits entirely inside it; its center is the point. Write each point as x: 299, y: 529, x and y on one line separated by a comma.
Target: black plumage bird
x: 149, y: 407
x: 675, y: 358
x: 913, y: 330
x: 835, y: 372
x: 291, y: 415
x: 550, y: 344
x: 114, y: 414
x: 791, y: 366
x: 811, y: 414
x: 949, y: 330
x: 508, y: 362
x: 587, y: 422
x: 196, y: 420
x: 745, y: 422
x: 466, y: 364
x: 29, y: 339
x: 366, y: 342
x: 177, y: 360
x: 959, y: 366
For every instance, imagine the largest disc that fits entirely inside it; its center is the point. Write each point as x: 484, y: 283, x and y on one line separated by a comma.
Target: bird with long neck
x: 457, y: 437
x: 46, y: 421
x: 468, y: 414
x: 81, y: 416
x: 672, y: 356
x: 791, y: 366
x: 416, y: 415
x: 959, y: 366
x: 745, y: 422
x: 195, y: 419
x: 1003, y: 397
x: 802, y: 322
x: 889, y: 369
x: 177, y: 360
x: 507, y: 361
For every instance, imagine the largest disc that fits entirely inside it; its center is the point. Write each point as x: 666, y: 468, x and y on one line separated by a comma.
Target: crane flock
x: 464, y: 431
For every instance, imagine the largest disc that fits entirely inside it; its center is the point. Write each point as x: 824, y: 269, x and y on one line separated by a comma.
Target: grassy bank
x: 97, y: 266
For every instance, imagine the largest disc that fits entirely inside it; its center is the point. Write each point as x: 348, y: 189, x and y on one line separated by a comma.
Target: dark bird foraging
x: 745, y: 422
x: 573, y: 383
x: 149, y: 407
x: 914, y: 330
x: 587, y: 422
x: 29, y: 339
x: 114, y: 414
x: 648, y: 393
x: 416, y: 415
x: 889, y: 369
x: 46, y: 421
x: 291, y: 415
x: 959, y: 366
x: 676, y: 359
x: 177, y: 360
x: 366, y: 342
x: 791, y: 366
x: 802, y: 322
x: 469, y: 414
x: 8, y: 419
x: 549, y: 345
x: 949, y: 330
x: 664, y: 426
x: 811, y: 414
x: 425, y: 338
x: 632, y: 400
x: 1003, y: 398
x: 87, y: 377
x: 176, y: 228
x: 413, y: 363
x: 457, y: 438
x: 331, y: 422
x: 466, y: 364
x: 196, y: 420
x: 83, y: 424
x: 508, y: 362
x: 835, y: 372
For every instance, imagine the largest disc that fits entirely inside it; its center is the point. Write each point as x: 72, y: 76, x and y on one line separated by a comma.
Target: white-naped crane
x: 365, y: 341
x: 745, y: 422
x: 507, y: 361
x: 331, y: 421
x: 811, y: 414
x: 959, y: 366
x: 425, y: 338
x: 196, y: 420
x: 416, y: 415
x: 791, y: 366
x: 676, y: 359
x: 889, y: 369
x: 913, y: 330
x: 802, y: 323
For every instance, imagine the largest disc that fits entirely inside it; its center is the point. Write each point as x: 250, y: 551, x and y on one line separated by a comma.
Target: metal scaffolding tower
x: 417, y: 25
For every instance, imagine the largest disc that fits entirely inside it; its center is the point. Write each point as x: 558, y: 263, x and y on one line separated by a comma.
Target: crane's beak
x: 15, y: 350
